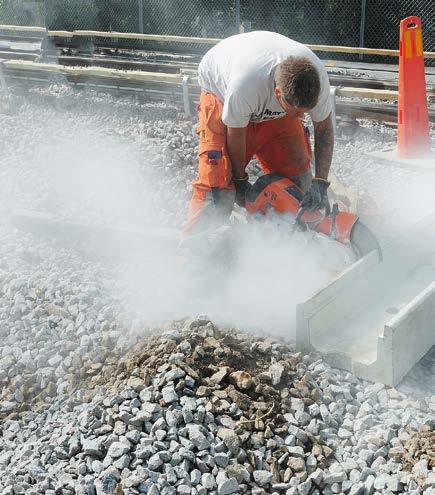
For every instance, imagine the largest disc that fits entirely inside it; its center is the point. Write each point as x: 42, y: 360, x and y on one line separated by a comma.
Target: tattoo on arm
x: 323, y: 147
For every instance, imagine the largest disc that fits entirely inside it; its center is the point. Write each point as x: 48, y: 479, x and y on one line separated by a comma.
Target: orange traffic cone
x: 413, y: 138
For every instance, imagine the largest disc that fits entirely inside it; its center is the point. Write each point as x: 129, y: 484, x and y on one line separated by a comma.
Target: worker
x: 255, y: 90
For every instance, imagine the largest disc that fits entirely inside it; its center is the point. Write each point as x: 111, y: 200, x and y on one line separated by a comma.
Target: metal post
x: 332, y: 95
x: 140, y: 8
x: 186, y: 97
x: 237, y: 16
x: 362, y: 26
x: 3, y: 85
x: 47, y: 8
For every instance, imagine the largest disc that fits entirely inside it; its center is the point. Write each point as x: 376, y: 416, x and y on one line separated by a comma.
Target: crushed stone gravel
x: 94, y: 402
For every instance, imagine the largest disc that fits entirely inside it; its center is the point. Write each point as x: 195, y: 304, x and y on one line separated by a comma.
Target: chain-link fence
x: 308, y: 21
x: 23, y: 12
x: 367, y: 23
x: 382, y: 22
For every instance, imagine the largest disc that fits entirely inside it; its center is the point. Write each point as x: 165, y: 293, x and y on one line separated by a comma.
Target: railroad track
x: 87, y: 59
x: 378, y: 76
x: 176, y: 88
x: 175, y: 67
x: 121, y: 63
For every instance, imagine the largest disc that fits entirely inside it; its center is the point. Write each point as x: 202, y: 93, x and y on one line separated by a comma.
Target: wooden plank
x: 358, y: 50
x: 133, y: 75
x: 105, y: 240
x: 60, y: 34
x: 134, y: 36
x: 357, y: 65
x: 372, y: 110
x: 21, y: 55
x: 20, y: 46
x: 369, y: 66
x: 378, y: 94
x: 123, y: 64
x: 26, y: 29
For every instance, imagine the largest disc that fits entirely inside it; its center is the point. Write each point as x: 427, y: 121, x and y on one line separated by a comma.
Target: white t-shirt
x: 240, y: 71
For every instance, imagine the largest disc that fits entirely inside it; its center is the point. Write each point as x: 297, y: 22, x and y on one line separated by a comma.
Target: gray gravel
x: 135, y: 442
x: 71, y: 156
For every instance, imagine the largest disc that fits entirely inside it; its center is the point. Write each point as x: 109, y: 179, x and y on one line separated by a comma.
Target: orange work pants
x: 280, y: 145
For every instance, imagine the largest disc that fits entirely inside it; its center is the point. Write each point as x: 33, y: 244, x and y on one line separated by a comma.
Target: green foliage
x: 67, y: 15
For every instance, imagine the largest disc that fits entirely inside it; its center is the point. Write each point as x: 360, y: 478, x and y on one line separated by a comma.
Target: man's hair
x: 299, y: 82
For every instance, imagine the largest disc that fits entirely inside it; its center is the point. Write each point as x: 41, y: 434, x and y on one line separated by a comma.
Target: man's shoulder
x: 254, y: 47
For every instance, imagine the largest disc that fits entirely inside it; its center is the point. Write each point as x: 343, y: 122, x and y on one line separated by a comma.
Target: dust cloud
x: 85, y: 167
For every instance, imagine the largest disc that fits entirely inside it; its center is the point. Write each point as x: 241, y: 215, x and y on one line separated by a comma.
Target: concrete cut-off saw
x: 275, y: 196
x: 273, y: 217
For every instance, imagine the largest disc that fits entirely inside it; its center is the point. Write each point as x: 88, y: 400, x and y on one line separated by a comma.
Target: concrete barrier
x: 405, y: 340
x: 375, y: 319
x: 105, y: 241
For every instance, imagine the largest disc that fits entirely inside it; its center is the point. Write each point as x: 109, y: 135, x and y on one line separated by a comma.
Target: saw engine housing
x: 278, y: 194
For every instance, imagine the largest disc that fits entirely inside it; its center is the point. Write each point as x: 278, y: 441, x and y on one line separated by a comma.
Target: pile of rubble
x: 420, y: 448
x: 196, y: 409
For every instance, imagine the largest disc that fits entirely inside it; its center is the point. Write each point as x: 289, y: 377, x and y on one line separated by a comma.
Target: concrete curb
x: 349, y: 321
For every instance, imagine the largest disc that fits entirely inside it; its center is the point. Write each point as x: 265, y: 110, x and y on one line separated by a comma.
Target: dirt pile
x: 258, y: 374
x: 264, y: 379
x: 420, y: 446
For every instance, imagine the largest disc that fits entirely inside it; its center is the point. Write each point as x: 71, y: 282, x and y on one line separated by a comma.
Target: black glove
x: 316, y: 197
x: 242, y: 188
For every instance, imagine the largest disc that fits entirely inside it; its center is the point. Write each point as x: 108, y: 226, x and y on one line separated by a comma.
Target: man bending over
x: 256, y: 88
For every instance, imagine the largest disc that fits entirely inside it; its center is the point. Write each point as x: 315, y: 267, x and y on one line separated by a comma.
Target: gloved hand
x: 242, y: 188
x: 316, y: 197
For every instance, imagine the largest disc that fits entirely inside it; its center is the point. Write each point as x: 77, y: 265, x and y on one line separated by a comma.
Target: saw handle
x: 299, y: 222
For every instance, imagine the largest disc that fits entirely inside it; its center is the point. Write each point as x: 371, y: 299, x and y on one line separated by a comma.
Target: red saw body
x: 275, y: 193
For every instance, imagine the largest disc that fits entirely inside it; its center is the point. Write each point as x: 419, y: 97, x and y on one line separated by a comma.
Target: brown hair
x: 299, y: 82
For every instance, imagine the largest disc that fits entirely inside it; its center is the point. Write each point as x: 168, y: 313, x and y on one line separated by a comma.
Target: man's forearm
x: 323, y: 147
x: 236, y: 146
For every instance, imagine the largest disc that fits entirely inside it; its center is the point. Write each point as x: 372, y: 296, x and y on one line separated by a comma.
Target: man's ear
x: 277, y: 92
